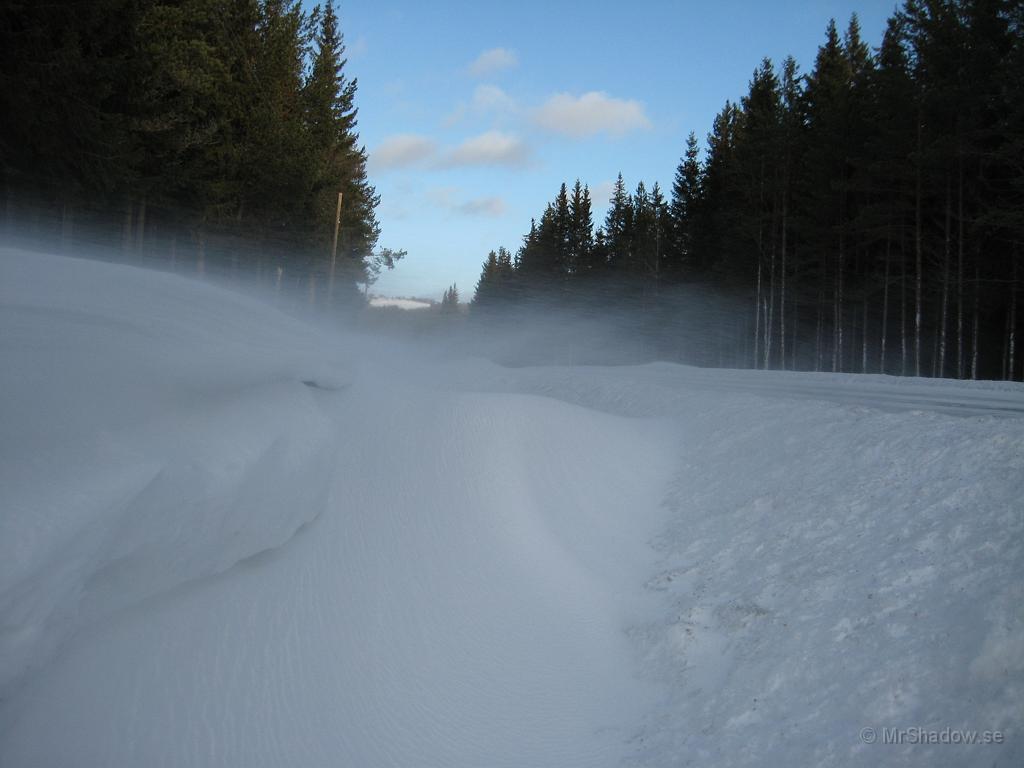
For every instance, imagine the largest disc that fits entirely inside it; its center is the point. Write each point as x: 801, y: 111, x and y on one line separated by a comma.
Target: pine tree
x: 683, y: 210
x: 617, y: 229
x: 488, y: 281
x: 825, y: 198
x: 340, y: 164
x: 715, y: 227
x: 581, y: 231
x: 450, y: 300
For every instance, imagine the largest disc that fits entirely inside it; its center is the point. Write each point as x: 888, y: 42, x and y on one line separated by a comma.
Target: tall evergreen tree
x: 581, y: 232
x: 683, y: 207
x: 618, y: 228
x: 340, y: 161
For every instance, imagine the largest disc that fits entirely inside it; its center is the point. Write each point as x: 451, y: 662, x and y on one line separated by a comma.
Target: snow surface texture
x: 229, y: 538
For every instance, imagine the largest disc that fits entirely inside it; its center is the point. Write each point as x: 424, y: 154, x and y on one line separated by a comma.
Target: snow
x: 232, y: 537
x: 386, y: 301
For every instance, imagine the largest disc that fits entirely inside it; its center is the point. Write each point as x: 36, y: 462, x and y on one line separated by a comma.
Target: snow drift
x: 228, y: 537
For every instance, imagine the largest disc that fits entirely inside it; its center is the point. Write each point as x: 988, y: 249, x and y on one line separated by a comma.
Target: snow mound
x: 229, y: 538
x: 150, y: 438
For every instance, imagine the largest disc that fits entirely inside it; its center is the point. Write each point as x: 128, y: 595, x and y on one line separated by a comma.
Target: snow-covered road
x: 205, y: 561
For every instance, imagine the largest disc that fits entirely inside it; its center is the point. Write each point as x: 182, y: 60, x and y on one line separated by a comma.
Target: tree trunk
x: 1011, y: 338
x: 140, y: 227
x: 782, y: 287
x: 903, y: 307
x: 818, y: 351
x: 944, y: 308
x: 126, y: 228
x: 918, y: 256
x: 960, y: 275
x: 864, y: 338
x: 837, y: 311
x: 757, y: 315
x: 770, y: 310
x: 974, y: 325
x: 885, y: 299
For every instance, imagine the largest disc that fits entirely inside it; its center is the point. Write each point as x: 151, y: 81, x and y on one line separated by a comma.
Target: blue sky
x: 474, y: 112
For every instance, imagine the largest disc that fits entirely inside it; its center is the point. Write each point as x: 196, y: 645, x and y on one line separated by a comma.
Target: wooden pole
x: 334, y: 249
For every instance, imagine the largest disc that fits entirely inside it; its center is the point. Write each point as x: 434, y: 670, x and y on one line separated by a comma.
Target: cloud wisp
x: 590, y: 114
x: 491, y: 61
x: 493, y: 148
x: 488, y: 100
x: 483, y: 206
x: 445, y: 198
x: 402, y: 151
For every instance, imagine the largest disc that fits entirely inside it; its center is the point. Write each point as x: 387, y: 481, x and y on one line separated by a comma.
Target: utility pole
x: 334, y: 250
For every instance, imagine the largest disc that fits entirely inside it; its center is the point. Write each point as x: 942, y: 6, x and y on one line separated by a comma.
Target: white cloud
x: 491, y: 98
x: 482, y: 206
x: 494, y: 60
x: 446, y: 198
x: 402, y: 151
x: 487, y: 100
x: 493, y: 148
x: 592, y: 113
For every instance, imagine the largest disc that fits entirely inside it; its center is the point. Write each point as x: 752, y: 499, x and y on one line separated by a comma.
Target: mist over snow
x: 234, y: 536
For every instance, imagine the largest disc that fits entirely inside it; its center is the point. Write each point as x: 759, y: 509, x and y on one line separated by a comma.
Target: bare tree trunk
x: 974, y: 325
x: 1006, y: 345
x: 1011, y: 339
x: 837, y: 311
x: 782, y: 288
x: 864, y: 339
x: 960, y: 275
x: 770, y: 313
x: 794, y: 324
x: 918, y: 256
x: 140, y: 227
x: 126, y: 228
x: 885, y: 300
x: 944, y: 308
x: 818, y: 351
x: 903, y: 308
x: 757, y: 314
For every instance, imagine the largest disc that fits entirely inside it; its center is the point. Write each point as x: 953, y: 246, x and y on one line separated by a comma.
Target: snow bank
x: 154, y: 431
x: 204, y: 561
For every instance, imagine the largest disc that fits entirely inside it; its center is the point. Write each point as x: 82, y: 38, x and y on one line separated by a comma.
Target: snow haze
x: 231, y: 535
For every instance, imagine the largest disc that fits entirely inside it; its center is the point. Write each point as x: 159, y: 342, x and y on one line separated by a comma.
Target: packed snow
x: 233, y: 537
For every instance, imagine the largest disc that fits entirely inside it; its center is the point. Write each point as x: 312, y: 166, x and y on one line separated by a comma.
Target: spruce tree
x: 617, y: 229
x: 683, y: 209
x: 340, y: 162
x: 581, y: 231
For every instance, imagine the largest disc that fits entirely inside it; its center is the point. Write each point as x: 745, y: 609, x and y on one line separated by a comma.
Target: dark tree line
x: 869, y: 213
x: 188, y: 121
